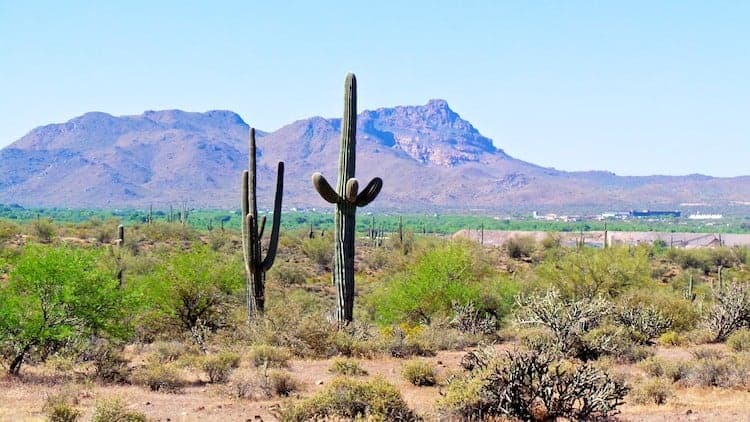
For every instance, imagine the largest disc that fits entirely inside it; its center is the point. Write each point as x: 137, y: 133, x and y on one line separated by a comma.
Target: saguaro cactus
x: 346, y: 198
x: 252, y: 233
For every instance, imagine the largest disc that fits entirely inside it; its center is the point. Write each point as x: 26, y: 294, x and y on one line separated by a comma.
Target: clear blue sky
x: 652, y: 87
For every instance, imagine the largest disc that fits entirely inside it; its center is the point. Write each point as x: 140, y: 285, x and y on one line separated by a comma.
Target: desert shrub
x: 531, y: 386
x: 720, y: 371
x: 159, y: 377
x: 270, y: 356
x: 282, y: 383
x: 346, y: 366
x: 56, y: 298
x: 551, y: 241
x: 287, y: 274
x: 451, y: 273
x: 114, y: 409
x: 739, y: 341
x: 699, y: 336
x: 109, y: 363
x: 567, y: 320
x: 61, y: 408
x: 589, y: 273
x: 671, y: 339
x: 690, y: 258
x: 351, y: 398
x: 419, y: 373
x: 645, y: 323
x: 43, y: 229
x: 403, y: 342
x: 163, y: 232
x: 651, y: 391
x: 674, y: 370
x: 319, y: 250
x: 730, y: 311
x: 519, y: 247
x: 217, y: 240
x: 219, y: 367
x: 8, y: 230
x: 168, y: 351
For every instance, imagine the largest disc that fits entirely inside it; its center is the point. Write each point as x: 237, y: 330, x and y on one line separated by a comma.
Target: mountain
x: 428, y: 156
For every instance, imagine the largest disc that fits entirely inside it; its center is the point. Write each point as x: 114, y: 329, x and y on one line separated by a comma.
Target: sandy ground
x: 22, y: 400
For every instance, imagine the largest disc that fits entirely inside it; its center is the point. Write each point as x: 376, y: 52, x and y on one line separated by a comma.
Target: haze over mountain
x: 428, y: 156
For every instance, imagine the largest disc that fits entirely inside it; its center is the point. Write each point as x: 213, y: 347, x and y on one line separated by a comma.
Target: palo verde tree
x: 56, y: 298
x: 252, y: 233
x: 346, y: 198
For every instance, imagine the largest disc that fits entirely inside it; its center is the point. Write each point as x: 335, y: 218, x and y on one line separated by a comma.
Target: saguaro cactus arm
x: 273, y: 242
x: 370, y: 192
x: 324, y: 188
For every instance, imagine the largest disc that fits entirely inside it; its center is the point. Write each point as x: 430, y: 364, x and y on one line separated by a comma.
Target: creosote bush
x: 219, y: 367
x: 159, y: 377
x: 419, y: 373
x: 347, y: 366
x: 652, y: 391
x: 739, y: 341
x: 114, y: 409
x: 520, y: 247
x: 61, y: 408
x: 351, y: 399
x: 270, y: 356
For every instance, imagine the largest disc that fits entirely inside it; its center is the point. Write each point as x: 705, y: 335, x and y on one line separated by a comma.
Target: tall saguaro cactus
x: 252, y: 233
x: 346, y: 198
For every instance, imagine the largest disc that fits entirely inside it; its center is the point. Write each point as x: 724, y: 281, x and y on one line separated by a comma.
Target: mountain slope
x: 428, y: 156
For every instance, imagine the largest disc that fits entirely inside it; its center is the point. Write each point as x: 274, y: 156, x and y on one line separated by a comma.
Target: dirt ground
x: 22, y: 400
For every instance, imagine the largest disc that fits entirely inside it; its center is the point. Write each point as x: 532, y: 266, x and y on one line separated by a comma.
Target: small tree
x: 55, y: 298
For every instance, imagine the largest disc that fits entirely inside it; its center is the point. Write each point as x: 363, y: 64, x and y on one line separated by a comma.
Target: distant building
x: 655, y: 214
x: 699, y: 216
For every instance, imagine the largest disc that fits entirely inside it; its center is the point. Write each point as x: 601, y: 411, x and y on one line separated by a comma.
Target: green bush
x: 739, y: 341
x: 346, y: 366
x: 158, y: 377
x: 57, y: 297
x: 193, y: 289
x: 588, y: 273
x: 114, y: 409
x: 270, y: 356
x: 451, y: 273
x: 219, y: 367
x: 350, y: 399
x: 419, y: 373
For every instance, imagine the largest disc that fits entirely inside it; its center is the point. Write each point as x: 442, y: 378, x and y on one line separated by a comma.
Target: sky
x: 633, y: 87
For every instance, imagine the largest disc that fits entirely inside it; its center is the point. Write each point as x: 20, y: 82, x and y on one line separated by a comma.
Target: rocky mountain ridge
x: 429, y: 157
